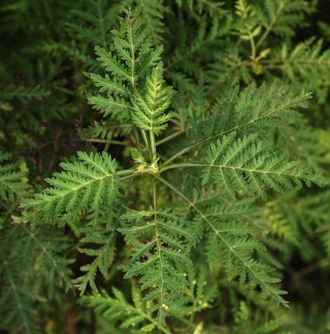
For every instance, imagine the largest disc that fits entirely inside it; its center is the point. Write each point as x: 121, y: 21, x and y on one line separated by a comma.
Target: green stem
x: 224, y: 166
x: 129, y: 176
x: 105, y: 141
x: 159, y: 250
x: 181, y: 152
x: 183, y: 165
x: 137, y: 139
x: 271, y: 25
x: 170, y: 137
x: 125, y: 172
x: 145, y: 139
x: 253, y: 47
x: 106, y: 147
x: 153, y: 146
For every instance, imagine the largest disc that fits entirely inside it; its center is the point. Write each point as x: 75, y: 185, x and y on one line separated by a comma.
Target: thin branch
x: 271, y: 25
x: 105, y: 141
x: 170, y: 137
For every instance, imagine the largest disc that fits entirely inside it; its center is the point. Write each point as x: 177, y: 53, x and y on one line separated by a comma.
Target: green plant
x: 203, y: 182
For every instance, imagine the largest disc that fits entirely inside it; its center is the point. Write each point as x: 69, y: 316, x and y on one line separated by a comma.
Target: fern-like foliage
x: 16, y: 302
x: 231, y: 239
x: 243, y: 164
x: 94, y: 21
x: 253, y: 109
x: 282, y: 17
x: 126, y: 66
x: 279, y: 225
x: 84, y: 185
x: 304, y: 60
x: 189, y: 216
x: 243, y: 315
x: 238, y: 251
x: 12, y: 183
x: 302, y: 217
x: 160, y: 245
x: 150, y: 110
x: 35, y: 266
x: 212, y: 22
x: 127, y: 315
x: 153, y: 12
x: 99, y: 232
x: 259, y: 21
x: 22, y: 94
x: 249, y: 28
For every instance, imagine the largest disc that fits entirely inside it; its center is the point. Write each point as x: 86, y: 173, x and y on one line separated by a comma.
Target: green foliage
x: 99, y: 233
x: 22, y: 94
x: 282, y: 17
x: 34, y: 267
x: 193, y: 196
x: 119, y: 310
x: 85, y: 185
x: 94, y: 19
x: 16, y: 302
x: 12, y: 182
x: 160, y: 247
x: 245, y: 165
x: 132, y: 58
x: 149, y: 110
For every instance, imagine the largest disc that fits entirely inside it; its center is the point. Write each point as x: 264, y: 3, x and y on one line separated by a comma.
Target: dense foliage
x: 164, y: 166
